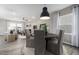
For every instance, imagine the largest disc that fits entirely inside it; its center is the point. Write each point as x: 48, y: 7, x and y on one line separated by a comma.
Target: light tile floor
x: 69, y: 50
x: 18, y: 47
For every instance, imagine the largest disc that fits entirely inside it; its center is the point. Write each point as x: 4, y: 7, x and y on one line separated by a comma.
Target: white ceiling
x: 14, y: 11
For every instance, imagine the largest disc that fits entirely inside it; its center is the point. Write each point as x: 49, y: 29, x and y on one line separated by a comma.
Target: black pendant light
x: 44, y: 15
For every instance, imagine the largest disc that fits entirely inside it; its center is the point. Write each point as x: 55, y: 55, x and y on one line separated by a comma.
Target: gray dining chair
x: 55, y: 44
x: 39, y: 42
x: 29, y: 40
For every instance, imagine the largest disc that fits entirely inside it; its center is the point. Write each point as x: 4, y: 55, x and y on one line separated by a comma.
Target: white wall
x: 3, y: 26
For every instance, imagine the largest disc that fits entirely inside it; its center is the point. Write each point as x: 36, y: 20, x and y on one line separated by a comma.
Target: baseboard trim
x: 71, y: 45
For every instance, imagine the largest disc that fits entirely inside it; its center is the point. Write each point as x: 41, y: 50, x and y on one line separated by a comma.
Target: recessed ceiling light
x: 33, y: 17
x: 14, y: 13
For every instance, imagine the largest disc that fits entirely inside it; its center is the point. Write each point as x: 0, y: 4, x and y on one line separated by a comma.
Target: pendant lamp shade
x: 45, y: 15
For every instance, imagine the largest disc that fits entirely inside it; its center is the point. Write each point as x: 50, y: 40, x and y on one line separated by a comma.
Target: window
x: 14, y: 26
x: 65, y: 23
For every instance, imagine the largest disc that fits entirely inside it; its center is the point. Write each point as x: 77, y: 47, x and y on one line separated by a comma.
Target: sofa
x: 11, y: 37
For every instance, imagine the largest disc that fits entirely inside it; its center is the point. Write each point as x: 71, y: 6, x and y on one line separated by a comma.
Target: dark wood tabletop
x: 49, y: 35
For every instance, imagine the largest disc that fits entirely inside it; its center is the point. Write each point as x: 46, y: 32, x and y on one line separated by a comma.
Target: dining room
x: 39, y: 29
